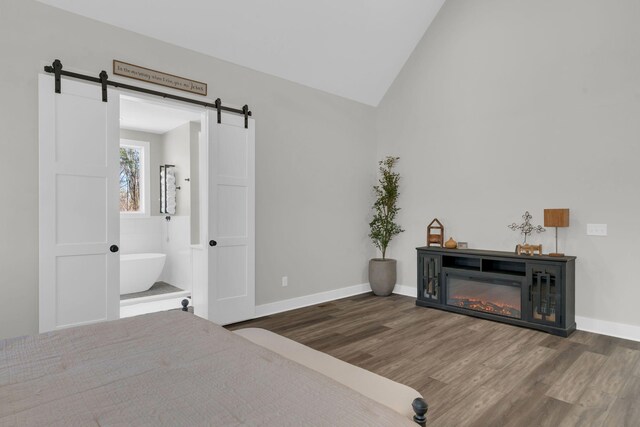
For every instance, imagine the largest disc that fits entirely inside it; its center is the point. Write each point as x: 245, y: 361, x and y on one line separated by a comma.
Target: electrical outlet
x: 596, y: 229
x: 285, y: 281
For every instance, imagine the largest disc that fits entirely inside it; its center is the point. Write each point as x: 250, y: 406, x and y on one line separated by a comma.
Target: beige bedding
x: 383, y: 390
x: 169, y: 369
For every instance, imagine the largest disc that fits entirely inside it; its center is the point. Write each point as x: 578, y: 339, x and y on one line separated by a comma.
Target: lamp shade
x: 556, y: 217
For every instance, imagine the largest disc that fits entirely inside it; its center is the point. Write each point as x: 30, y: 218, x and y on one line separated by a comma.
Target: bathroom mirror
x: 168, y: 189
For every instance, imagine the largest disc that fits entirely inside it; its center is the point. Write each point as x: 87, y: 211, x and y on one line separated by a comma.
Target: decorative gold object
x: 435, y: 233
x: 451, y: 244
x: 528, y: 249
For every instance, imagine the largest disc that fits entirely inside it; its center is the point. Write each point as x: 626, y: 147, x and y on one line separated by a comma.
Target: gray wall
x: 504, y: 106
x: 314, y: 153
x: 507, y: 106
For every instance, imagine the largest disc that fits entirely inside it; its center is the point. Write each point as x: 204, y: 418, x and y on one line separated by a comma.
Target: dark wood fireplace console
x: 534, y: 291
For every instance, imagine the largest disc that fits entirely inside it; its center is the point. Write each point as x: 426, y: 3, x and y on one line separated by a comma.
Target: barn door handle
x: 114, y: 248
x: 212, y: 243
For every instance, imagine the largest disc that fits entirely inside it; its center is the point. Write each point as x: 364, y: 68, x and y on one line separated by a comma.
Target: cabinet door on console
x: 545, y: 294
x: 429, y: 277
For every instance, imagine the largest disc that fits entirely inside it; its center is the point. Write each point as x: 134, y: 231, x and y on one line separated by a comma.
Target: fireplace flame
x: 493, y: 307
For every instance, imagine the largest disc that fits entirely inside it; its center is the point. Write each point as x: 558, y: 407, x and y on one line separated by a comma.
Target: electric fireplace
x: 535, y: 291
x: 499, y: 297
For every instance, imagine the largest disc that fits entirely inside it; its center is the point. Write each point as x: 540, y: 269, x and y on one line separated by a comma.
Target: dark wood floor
x: 475, y: 372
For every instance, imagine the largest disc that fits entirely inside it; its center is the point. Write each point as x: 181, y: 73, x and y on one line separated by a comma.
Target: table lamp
x: 556, y: 218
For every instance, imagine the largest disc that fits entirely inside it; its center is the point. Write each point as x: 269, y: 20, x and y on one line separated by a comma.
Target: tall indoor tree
x: 382, y: 271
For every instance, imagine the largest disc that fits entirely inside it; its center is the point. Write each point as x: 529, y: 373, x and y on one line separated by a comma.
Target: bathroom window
x: 134, y: 178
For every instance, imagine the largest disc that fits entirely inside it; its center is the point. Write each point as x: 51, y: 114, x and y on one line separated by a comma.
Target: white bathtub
x: 138, y: 272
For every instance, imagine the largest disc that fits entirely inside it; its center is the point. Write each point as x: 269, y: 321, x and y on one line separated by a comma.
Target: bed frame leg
x: 420, y: 407
x: 185, y: 304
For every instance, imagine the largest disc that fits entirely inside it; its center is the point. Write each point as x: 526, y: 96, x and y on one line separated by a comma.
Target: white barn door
x: 231, y: 225
x: 79, y: 205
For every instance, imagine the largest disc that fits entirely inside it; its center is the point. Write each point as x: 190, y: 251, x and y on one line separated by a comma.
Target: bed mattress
x: 169, y: 369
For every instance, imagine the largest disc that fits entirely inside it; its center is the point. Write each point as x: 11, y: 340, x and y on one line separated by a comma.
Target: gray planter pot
x: 382, y: 276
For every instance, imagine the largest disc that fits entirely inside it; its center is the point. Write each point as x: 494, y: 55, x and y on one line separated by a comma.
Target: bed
x: 171, y: 369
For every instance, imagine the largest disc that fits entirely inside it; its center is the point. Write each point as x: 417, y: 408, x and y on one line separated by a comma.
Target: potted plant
x: 382, y: 271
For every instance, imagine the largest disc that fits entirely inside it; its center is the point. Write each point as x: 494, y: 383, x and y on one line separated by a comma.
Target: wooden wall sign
x: 157, y: 77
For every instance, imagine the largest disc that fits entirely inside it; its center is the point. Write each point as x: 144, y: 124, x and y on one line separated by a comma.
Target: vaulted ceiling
x: 350, y: 48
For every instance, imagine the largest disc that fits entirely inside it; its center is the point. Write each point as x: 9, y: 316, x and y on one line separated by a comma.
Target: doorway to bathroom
x: 176, y: 207
x: 159, y: 203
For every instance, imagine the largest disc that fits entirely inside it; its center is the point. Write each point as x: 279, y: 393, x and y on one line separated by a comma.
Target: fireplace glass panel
x: 544, y: 295
x: 499, y: 297
x: 431, y: 278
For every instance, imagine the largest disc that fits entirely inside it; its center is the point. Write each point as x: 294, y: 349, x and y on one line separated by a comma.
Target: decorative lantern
x: 435, y: 233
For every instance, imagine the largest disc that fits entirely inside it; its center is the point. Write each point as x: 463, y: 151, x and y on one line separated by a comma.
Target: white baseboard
x: 150, y: 307
x: 171, y: 296
x: 319, y: 298
x: 605, y: 327
x: 313, y: 299
x: 407, y: 291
